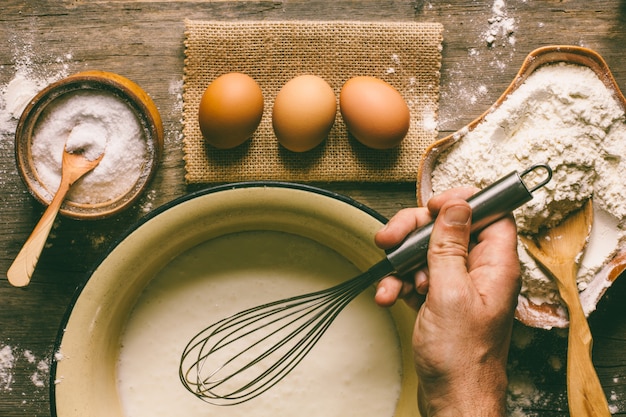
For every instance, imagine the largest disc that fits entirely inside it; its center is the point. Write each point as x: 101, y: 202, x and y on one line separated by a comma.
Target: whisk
x: 242, y: 356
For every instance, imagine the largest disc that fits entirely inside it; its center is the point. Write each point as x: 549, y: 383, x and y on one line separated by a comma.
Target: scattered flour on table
x: 521, y: 390
x: 562, y: 115
x: 148, y: 201
x: 176, y: 90
x: 39, y: 376
x: 494, y: 50
x: 174, y: 135
x: 11, y: 357
x: 527, y: 374
x: 502, y: 28
x: 29, y: 78
x: 7, y: 362
x: 521, y: 394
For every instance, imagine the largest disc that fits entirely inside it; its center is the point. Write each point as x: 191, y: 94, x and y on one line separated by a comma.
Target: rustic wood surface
x: 143, y: 40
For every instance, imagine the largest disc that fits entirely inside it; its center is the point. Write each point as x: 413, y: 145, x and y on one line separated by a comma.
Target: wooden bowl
x: 42, y: 106
x: 85, y: 378
x: 544, y: 315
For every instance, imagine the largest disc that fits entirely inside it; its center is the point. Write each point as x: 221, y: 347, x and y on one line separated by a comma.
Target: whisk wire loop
x: 223, y: 363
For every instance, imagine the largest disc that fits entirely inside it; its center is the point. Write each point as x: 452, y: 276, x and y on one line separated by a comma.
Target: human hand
x: 465, y: 300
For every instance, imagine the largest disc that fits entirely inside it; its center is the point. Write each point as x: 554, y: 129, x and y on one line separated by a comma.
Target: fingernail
x: 381, y: 290
x: 457, y: 215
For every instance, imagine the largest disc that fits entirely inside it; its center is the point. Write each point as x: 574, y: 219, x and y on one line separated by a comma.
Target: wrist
x: 481, y: 394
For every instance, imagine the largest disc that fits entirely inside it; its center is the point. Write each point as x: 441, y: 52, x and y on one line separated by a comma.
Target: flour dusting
x: 494, y: 51
x: 28, y: 79
x: 12, y: 357
x: 7, y: 362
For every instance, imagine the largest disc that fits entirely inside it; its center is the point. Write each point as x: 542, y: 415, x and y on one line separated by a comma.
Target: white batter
x: 354, y: 370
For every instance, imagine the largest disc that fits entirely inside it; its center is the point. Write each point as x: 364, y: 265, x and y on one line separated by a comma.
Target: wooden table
x: 143, y: 40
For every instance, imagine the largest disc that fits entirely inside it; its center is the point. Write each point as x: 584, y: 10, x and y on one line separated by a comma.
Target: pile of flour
x: 562, y: 115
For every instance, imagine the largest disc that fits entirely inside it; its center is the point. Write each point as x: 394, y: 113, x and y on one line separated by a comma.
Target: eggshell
x: 374, y: 112
x: 304, y: 113
x: 230, y: 110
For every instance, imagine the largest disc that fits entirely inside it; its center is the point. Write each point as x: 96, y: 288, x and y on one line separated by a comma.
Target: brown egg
x: 374, y: 112
x: 304, y: 112
x: 230, y: 110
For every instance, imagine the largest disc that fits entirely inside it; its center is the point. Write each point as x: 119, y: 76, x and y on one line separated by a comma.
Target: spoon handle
x: 22, y: 268
x: 584, y: 391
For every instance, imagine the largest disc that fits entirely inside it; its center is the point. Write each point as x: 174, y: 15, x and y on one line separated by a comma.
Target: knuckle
x: 448, y: 248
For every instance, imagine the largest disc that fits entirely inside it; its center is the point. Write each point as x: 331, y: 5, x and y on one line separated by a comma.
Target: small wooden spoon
x: 558, y: 250
x: 74, y: 166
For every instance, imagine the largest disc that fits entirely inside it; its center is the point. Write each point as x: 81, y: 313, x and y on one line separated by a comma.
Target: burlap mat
x: 407, y: 55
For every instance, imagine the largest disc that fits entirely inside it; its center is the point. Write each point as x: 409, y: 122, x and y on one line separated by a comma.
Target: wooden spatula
x: 558, y: 250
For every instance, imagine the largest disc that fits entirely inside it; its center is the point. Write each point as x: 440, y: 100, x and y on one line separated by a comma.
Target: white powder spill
x: 27, y: 81
x: 7, y: 362
x: 429, y: 120
x: 521, y: 393
x: 176, y: 90
x: 12, y: 357
x: 18, y: 92
x: 148, y: 201
x: 495, y: 51
x: 529, y: 371
x: 502, y: 28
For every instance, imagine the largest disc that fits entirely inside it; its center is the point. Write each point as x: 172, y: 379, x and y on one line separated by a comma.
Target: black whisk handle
x: 488, y: 205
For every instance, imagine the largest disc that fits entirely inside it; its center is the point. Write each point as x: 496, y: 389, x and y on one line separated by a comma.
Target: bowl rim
x: 140, y: 103
x: 163, y: 208
x: 545, y: 315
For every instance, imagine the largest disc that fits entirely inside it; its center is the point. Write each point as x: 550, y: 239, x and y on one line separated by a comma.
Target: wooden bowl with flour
x: 565, y: 109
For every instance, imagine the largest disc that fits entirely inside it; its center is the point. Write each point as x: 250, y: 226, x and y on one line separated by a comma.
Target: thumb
x: 448, y: 248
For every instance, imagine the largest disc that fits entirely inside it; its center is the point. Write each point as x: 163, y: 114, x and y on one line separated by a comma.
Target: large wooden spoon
x: 73, y: 167
x: 558, y: 250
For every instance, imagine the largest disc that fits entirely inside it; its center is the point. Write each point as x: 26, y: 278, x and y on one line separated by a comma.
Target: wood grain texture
x: 143, y: 40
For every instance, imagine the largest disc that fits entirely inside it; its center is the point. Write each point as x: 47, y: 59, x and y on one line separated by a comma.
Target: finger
x: 463, y: 193
x: 421, y: 282
x: 448, y: 248
x: 400, y: 225
x: 388, y: 291
x: 502, y: 232
x: 391, y: 289
x: 407, y: 220
x: 496, y: 251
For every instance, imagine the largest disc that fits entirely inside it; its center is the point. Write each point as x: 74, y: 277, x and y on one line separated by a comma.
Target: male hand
x: 465, y: 299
